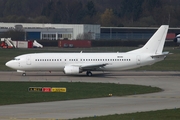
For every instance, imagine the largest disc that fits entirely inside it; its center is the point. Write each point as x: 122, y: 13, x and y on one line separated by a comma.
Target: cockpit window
x: 16, y: 58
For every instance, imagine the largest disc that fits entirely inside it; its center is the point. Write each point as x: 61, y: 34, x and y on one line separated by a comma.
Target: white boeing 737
x: 75, y: 63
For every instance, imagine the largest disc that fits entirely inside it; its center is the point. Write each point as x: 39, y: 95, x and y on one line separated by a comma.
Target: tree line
x: 114, y: 13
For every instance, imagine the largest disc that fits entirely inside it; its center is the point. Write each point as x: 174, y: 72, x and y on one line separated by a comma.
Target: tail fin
x: 155, y: 44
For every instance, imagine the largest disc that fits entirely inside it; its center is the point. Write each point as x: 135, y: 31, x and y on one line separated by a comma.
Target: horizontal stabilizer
x: 164, y: 54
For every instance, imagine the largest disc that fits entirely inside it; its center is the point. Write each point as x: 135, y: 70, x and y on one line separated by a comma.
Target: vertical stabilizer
x: 155, y: 44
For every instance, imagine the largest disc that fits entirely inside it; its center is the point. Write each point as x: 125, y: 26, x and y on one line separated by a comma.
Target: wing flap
x: 93, y: 66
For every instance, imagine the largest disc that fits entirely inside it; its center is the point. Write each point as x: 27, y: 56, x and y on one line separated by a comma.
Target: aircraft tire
x: 23, y: 74
x: 89, y: 73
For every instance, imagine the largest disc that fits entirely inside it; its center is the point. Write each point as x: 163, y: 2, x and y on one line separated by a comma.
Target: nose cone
x: 7, y: 64
x: 10, y: 64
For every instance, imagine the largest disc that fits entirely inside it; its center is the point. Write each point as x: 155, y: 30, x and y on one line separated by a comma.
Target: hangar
x: 52, y: 31
x: 134, y: 33
x: 46, y: 31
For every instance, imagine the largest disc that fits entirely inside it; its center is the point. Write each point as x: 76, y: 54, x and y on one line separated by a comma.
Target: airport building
x: 134, y: 33
x: 34, y: 31
x: 53, y: 31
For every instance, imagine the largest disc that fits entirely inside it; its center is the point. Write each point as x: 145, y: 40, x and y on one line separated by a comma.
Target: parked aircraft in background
x: 75, y: 63
x: 177, y: 39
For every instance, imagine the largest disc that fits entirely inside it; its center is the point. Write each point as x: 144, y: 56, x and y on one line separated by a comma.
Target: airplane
x: 177, y: 39
x: 75, y: 63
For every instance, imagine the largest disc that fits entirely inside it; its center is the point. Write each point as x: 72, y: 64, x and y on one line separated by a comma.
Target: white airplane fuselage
x: 58, y: 61
x: 74, y: 63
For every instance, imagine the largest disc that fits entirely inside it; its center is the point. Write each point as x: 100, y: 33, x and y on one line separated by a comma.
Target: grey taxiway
x: 169, y: 81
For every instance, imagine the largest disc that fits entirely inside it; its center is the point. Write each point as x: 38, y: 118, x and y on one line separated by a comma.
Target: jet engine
x: 72, y: 70
x: 177, y: 39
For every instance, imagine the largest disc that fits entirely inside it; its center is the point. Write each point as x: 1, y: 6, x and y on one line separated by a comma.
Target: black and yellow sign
x: 46, y: 89
x: 58, y: 89
x: 35, y: 89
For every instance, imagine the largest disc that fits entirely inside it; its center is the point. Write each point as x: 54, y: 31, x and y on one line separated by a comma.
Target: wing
x: 90, y: 67
x: 93, y: 67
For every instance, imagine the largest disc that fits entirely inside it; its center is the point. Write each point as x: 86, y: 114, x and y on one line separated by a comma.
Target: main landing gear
x: 23, y: 74
x: 89, y: 73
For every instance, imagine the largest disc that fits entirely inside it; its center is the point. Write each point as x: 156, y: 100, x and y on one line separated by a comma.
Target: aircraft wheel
x: 89, y: 73
x: 24, y: 74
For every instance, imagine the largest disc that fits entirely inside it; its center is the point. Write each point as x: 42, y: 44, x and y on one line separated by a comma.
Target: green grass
x: 171, y: 63
x: 172, y: 114
x: 17, y: 92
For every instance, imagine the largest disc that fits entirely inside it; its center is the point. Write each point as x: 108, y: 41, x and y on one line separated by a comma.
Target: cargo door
x: 28, y: 60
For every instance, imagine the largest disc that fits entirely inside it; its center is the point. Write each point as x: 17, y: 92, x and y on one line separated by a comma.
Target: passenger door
x: 28, y: 60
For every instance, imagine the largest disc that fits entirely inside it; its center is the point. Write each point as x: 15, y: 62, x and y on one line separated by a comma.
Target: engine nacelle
x: 72, y: 70
x: 177, y: 39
